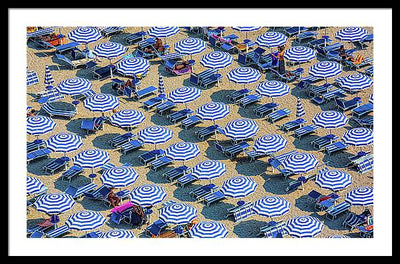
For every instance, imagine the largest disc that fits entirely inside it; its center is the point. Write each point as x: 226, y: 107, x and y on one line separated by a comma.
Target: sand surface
x: 269, y: 183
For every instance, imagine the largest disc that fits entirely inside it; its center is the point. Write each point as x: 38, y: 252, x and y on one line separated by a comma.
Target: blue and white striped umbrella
x: 304, y: 226
x: 241, y: 128
x: 84, y: 35
x: 272, y: 88
x: 351, y: 34
x: 190, y: 46
x: 85, y: 220
x: 208, y: 229
x: 300, y: 163
x: 74, y: 86
x: 119, y: 233
x: 337, y: 236
x: 48, y: 78
x: 330, y: 119
x: 359, y: 136
x: 64, y: 142
x: 184, y: 94
x: 371, y: 98
x: 238, y: 186
x: 161, y: 88
x: 213, y: 111
x: 178, y: 213
x: 271, y: 206
x: 91, y: 158
x: 155, y: 134
x: 37, y: 125
x: 127, y: 118
x: 355, y: 82
x: 299, y: 54
x: 101, y: 102
x: 299, y: 108
x: 119, y: 177
x: 147, y: 195
x: 31, y: 78
x: 54, y: 203
x: 334, y: 180
x: 244, y: 75
x: 246, y: 28
x: 360, y: 196
x: 182, y: 151
x: 270, y: 143
x: 325, y: 69
x: 133, y: 66
x: 271, y: 39
x: 208, y: 169
x: 163, y: 32
x: 109, y: 50
x: 216, y: 60
x: 33, y: 185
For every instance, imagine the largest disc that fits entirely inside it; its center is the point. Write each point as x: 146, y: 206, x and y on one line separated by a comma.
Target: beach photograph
x: 193, y: 131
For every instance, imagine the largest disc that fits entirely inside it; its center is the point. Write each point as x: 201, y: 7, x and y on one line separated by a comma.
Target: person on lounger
x: 159, y: 45
x: 32, y: 112
x: 113, y: 199
x: 281, y: 60
x: 181, y: 65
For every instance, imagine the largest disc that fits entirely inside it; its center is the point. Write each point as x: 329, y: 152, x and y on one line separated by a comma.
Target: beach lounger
x: 305, y: 130
x: 253, y: 154
x: 362, y: 110
x: 165, y: 107
x: 289, y: 76
x: 276, y: 163
x: 366, y: 121
x: 323, y: 141
x: 366, y: 231
x: 186, y: 179
x: 58, y: 232
x: 326, y: 201
x: 319, y: 89
x: 278, y: 114
x: 175, y: 173
x: 273, y: 230
x: 92, y: 125
x: 111, y: 30
x: 131, y: 145
x: 149, y: 156
x: 135, y: 37
x: 249, y: 99
x: 307, y: 82
x: 152, y: 102
x: 307, y: 35
x: 37, y: 234
x: 154, y: 230
x: 365, y: 165
x: 325, y: 97
x: 332, y: 212
x: 369, y: 71
x: 314, y: 196
x: 265, y: 109
x: 179, y: 115
x: 121, y: 139
x: 202, y: 191
x: 294, y: 124
x: 85, y: 63
x: 37, y: 154
x: 77, y: 192
x: 212, y: 197
x: 324, y: 50
x: 49, y: 96
x: 345, y: 105
x: 215, y: 78
x: 353, y: 220
x: 190, y: 121
x: 170, y: 66
x: 71, y: 172
x: 40, y: 227
x: 56, y: 164
x: 236, y: 95
x: 335, y: 147
x: 159, y: 163
x: 93, y: 234
x: 104, y: 72
x: 99, y: 194
x: 236, y: 149
x: 35, y: 145
x: 52, y: 110
x: 360, y: 156
x: 366, y: 61
x: 66, y: 47
x: 292, y: 31
x: 299, y: 182
x: 240, y: 212
x: 317, y: 43
x: 207, y: 131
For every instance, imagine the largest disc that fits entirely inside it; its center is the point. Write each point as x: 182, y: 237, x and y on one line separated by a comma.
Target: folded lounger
x: 336, y: 210
x: 319, y: 89
x: 131, y: 145
x: 264, y: 109
x: 77, y: 192
x: 40, y: 227
x: 325, y: 202
x: 71, y: 172
x: 363, y: 110
x: 149, y: 156
x: 175, y: 173
x: 305, y: 130
x: 318, y: 42
x: 202, y: 191
x: 307, y: 82
x: 294, y: 124
x: 190, y: 121
x: 273, y: 229
x: 278, y: 114
x: 292, y: 76
x: 121, y: 139
x: 159, y: 163
x: 365, y: 165
x: 37, y: 154
x: 249, y: 99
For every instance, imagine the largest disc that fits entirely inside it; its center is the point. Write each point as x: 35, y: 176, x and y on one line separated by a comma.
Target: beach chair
x: 93, y: 234
x: 49, y: 96
x: 179, y: 115
x: 58, y: 232
x: 278, y: 114
x: 307, y: 35
x: 52, y: 110
x: 190, y: 121
x: 212, y: 197
x: 202, y: 191
x: 323, y: 141
x: 345, y: 105
x: 56, y: 164
x: 92, y: 125
x: 84, y: 95
x: 104, y: 72
x: 35, y: 145
x: 71, y: 172
x: 149, y: 156
x: 366, y: 231
x: 305, y: 130
x: 289, y: 76
x: 329, y: 95
x: 307, y: 82
x: 186, y: 179
x: 319, y: 42
x: 362, y: 110
x: 326, y: 201
x: 135, y: 37
x: 366, y: 121
x: 265, y: 109
x: 293, y: 124
x: 360, y: 156
x: 37, y: 154
x: 85, y: 63
x: 332, y: 212
x: 41, y: 227
x: 175, y: 173
x: 314, y: 196
x: 77, y: 192
x: 213, y: 79
x: 319, y: 89
x: 369, y: 71
x: 154, y: 230
x: 292, y: 31
x: 121, y: 139
x: 299, y: 182
x: 353, y: 220
x: 253, y: 154
x: 335, y: 147
x: 131, y: 145
x: 236, y: 95
x: 207, y: 131
x: 236, y: 149
x: 170, y: 66
x: 159, y: 163
x: 37, y: 234
x: 276, y: 163
x: 106, y: 32
x: 153, y: 102
x: 249, y: 99
x: 165, y: 107
x: 273, y: 229
x: 240, y: 212
x: 326, y: 49
x: 67, y: 47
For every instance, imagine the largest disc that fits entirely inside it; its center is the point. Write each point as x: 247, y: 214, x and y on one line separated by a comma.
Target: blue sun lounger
x: 190, y: 121
x: 240, y: 212
x: 253, y: 154
x: 52, y: 110
x: 152, y: 102
x: 236, y: 149
x: 213, y: 79
x: 307, y: 35
x: 212, y: 197
x: 353, y: 220
x: 319, y: 89
x: 56, y: 164
x: 365, y: 62
x: 366, y: 121
x: 175, y: 173
x: 369, y: 71
x: 134, y: 37
x: 50, y: 96
x: 186, y: 179
x: 77, y: 192
x: 305, y: 130
x: 293, y: 124
x: 207, y: 131
x: 93, y: 234
x: 179, y: 115
x: 236, y: 95
x: 104, y: 72
x: 276, y: 162
x: 85, y: 63
x: 323, y: 141
x: 121, y: 139
x: 317, y: 43
x: 202, y: 191
x: 58, y: 232
x: 344, y: 105
x: 329, y: 95
x: 278, y: 114
x: 326, y: 201
x: 365, y: 165
x: 362, y: 110
x: 131, y: 145
x: 37, y: 234
x: 92, y: 125
x: 35, y: 145
x: 37, y: 154
x: 334, y: 211
x: 265, y: 109
x: 149, y: 156
x: 159, y: 163
x: 299, y: 182
x: 306, y: 83
x: 156, y: 228
x: 165, y: 107
x: 273, y: 229
x: 66, y: 47
x: 71, y: 172
x: 111, y: 30
x: 249, y: 99
x: 144, y: 92
x: 197, y: 79
x: 291, y: 31
x: 335, y: 147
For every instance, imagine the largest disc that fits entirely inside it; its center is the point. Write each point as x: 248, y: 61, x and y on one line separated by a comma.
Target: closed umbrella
x: 48, y: 78
x: 299, y: 108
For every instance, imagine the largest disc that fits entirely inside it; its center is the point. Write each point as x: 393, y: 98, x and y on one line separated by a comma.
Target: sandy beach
x: 269, y: 183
